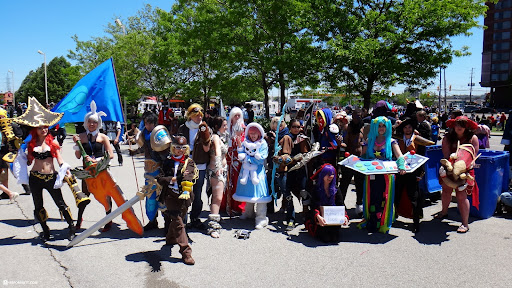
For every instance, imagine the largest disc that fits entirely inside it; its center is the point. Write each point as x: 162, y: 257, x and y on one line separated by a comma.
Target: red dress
x: 234, y: 166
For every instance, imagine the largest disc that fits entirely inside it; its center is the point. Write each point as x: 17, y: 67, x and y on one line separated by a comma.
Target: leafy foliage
x: 61, y: 78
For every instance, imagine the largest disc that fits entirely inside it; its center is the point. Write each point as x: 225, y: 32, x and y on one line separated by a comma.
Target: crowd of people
x: 245, y: 169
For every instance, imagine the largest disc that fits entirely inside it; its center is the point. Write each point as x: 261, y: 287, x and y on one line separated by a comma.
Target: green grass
x: 70, y: 128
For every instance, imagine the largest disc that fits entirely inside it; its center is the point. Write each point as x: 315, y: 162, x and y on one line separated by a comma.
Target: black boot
x: 416, y: 227
x: 67, y: 215
x: 42, y: 216
x: 26, y: 188
x: 153, y: 224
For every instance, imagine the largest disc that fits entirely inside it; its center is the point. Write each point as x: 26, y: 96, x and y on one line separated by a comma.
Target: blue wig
x: 374, y: 132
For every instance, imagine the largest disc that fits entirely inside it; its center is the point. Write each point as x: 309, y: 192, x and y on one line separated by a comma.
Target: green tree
x: 272, y: 44
x: 376, y: 44
x: 61, y: 77
x: 134, y: 55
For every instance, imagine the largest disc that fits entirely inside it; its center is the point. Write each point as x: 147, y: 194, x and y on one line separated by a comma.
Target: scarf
x: 191, y: 125
x: 283, y: 133
x: 180, y: 159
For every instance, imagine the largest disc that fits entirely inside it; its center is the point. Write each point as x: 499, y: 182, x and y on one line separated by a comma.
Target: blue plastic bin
x: 492, y: 177
x: 430, y: 182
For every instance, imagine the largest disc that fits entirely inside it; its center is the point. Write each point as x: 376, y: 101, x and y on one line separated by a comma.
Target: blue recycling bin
x: 492, y: 178
x: 430, y: 182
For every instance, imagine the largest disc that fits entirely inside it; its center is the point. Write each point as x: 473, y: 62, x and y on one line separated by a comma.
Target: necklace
x: 379, y: 144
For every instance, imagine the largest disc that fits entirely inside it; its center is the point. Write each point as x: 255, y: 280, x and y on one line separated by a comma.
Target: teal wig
x: 374, y: 132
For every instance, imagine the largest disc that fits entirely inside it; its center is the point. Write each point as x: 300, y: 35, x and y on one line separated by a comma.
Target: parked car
x: 486, y: 110
x: 469, y: 109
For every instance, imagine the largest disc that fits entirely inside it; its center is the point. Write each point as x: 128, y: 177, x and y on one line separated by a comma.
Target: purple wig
x: 326, y: 197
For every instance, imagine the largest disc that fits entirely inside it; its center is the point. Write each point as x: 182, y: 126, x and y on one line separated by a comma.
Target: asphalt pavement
x: 435, y: 257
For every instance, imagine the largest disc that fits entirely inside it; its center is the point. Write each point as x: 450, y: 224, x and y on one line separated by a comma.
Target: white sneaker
x: 13, y: 198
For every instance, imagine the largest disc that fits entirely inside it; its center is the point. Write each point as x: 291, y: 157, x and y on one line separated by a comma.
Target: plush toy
x: 249, y: 152
x: 454, y: 171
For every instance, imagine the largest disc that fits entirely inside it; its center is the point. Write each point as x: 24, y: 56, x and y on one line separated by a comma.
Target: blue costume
x: 253, y: 189
x: 249, y: 192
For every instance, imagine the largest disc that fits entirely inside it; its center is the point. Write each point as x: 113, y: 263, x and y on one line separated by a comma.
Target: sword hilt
x: 82, y: 152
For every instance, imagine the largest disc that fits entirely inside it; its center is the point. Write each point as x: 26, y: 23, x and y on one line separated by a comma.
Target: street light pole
x: 13, y: 98
x: 45, y: 77
x: 120, y: 24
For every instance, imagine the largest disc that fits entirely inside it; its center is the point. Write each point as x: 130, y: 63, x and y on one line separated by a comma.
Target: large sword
x: 105, y: 220
x: 146, y: 191
x: 101, y: 185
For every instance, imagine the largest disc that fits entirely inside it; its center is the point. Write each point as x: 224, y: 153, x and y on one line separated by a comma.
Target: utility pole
x: 445, y: 106
x: 440, y: 78
x: 471, y: 84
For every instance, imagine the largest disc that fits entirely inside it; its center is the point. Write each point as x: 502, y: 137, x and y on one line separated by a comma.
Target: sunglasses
x: 181, y: 147
x: 197, y: 110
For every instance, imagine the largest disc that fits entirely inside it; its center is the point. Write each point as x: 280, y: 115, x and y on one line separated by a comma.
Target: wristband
x: 400, y: 163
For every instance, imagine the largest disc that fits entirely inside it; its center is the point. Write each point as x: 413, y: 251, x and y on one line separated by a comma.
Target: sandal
x: 440, y: 216
x: 462, y: 229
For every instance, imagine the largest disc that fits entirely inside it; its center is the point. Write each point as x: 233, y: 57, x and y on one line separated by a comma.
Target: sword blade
x: 104, y: 221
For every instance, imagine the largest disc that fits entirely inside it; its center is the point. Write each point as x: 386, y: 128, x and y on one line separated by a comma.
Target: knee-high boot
x: 67, y: 215
x: 42, y: 216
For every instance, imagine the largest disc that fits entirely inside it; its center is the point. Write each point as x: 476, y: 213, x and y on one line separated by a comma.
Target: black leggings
x: 37, y: 185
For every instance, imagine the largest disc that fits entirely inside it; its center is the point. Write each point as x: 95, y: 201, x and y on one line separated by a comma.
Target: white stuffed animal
x: 250, y: 150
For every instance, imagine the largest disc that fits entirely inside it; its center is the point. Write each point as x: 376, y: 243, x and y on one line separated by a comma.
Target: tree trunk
x: 367, y: 95
x: 283, y: 89
x: 265, y: 93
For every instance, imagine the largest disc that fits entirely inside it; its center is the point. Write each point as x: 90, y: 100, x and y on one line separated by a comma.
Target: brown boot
x: 186, y: 253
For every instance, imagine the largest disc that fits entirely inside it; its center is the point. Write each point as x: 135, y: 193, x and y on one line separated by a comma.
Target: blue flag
x: 99, y: 85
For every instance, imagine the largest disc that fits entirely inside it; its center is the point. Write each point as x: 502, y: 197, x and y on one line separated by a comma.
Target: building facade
x: 496, y: 55
x: 7, y: 97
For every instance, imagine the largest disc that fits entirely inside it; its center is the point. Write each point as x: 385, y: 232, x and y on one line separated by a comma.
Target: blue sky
x: 30, y: 25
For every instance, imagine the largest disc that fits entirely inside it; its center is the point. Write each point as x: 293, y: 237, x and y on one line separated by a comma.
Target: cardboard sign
x: 333, y: 215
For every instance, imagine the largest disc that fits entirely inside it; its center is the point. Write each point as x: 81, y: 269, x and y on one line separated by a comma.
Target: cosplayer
x: 409, y: 181
x: 42, y: 149
x: 252, y: 182
x: 379, y: 190
x: 324, y: 194
x: 113, y: 131
x: 179, y: 175
x: 10, y: 140
x: 152, y: 162
x: 353, y: 140
x: 198, y: 135
x: 461, y: 133
x: 282, y: 160
x: 217, y: 172
x: 236, y: 133
x: 95, y: 144
x: 301, y: 145
x: 327, y: 135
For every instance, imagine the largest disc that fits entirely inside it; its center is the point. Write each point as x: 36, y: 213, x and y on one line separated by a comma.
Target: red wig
x: 48, y: 140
